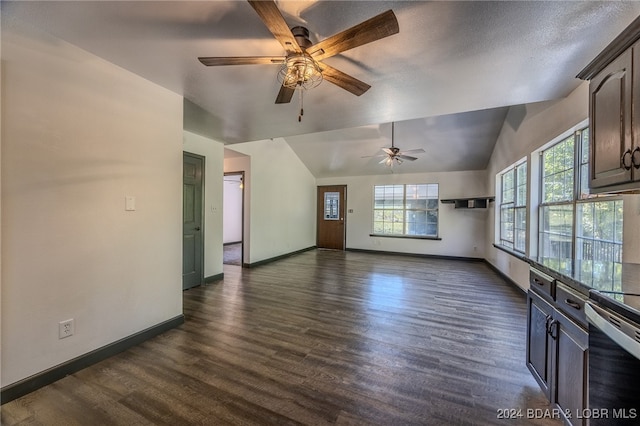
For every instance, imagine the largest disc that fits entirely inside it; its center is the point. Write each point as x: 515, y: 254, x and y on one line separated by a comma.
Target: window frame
x: 571, y: 264
x: 404, y: 208
x: 514, y: 205
x: 558, y: 204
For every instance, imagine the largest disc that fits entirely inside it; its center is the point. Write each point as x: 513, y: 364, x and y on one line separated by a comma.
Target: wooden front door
x: 192, y: 226
x: 331, y: 218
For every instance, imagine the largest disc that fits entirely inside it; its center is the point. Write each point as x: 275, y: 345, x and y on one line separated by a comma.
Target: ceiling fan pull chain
x: 301, y: 106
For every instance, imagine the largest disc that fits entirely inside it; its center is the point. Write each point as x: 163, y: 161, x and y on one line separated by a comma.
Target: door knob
x: 197, y: 228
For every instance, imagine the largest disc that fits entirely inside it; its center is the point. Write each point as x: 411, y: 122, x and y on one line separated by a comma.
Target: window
x: 513, y: 208
x: 599, y: 244
x: 331, y: 205
x: 557, y: 206
x: 579, y: 234
x: 406, y: 210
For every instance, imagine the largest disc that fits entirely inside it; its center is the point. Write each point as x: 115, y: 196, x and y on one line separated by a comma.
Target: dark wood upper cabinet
x: 610, y: 119
x: 614, y: 114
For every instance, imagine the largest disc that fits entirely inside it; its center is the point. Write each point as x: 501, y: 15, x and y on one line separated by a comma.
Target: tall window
x: 557, y: 206
x: 579, y: 234
x: 513, y: 207
x: 406, y: 210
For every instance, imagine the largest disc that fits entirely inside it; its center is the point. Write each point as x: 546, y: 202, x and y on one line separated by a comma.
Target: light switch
x: 129, y: 203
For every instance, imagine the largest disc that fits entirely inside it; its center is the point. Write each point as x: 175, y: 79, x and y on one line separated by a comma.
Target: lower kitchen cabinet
x: 570, y: 380
x: 557, y: 354
x: 539, y: 342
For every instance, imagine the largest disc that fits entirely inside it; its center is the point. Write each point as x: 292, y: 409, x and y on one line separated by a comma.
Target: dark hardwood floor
x: 322, y: 337
x: 232, y: 254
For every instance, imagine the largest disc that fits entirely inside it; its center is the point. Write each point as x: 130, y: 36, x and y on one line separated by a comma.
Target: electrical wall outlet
x: 66, y: 328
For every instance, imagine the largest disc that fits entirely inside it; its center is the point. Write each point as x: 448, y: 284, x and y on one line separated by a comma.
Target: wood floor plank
x: 323, y: 337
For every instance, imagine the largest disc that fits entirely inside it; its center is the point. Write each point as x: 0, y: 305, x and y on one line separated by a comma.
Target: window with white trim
x: 406, y: 210
x: 513, y: 207
x: 579, y: 234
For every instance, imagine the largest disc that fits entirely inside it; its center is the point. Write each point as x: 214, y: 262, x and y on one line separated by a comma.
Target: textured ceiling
x: 446, y: 78
x: 452, y: 142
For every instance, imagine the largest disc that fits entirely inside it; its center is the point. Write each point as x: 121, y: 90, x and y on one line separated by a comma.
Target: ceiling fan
x: 302, y: 67
x: 393, y: 154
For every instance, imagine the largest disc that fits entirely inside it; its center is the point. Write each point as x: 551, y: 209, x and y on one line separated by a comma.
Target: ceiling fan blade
x: 340, y: 79
x: 213, y: 61
x: 284, y: 95
x: 414, y: 151
x: 389, y: 151
x: 273, y: 19
x: 374, y: 156
x: 380, y: 26
x: 406, y: 157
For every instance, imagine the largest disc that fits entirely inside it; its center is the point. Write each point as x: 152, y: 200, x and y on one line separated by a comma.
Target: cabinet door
x: 570, y: 364
x: 539, y: 350
x: 635, y: 150
x: 610, y: 116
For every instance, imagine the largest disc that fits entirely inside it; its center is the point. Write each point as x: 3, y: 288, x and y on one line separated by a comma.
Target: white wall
x: 79, y: 134
x: 242, y: 163
x: 232, y: 217
x: 1, y: 66
x: 282, y: 200
x: 213, y: 152
x: 462, y: 231
x: 527, y: 128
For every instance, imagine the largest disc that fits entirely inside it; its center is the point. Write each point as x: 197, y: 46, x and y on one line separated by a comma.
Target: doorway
x: 233, y: 218
x: 331, y: 219
x: 192, y: 224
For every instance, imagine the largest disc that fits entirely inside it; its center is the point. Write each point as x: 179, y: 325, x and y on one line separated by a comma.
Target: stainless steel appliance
x: 614, y: 360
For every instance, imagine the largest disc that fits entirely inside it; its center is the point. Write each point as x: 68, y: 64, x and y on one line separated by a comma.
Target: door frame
x: 203, y: 160
x: 241, y: 173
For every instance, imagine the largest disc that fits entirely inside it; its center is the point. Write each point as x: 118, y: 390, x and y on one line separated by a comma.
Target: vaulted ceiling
x: 446, y: 79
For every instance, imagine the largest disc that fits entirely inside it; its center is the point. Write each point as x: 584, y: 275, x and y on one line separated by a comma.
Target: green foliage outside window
x: 589, y: 247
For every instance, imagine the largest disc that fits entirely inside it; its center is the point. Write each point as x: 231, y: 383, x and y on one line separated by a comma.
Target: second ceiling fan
x: 302, y: 66
x: 393, y: 154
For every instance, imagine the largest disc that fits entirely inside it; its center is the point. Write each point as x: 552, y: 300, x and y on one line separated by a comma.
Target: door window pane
x: 331, y: 206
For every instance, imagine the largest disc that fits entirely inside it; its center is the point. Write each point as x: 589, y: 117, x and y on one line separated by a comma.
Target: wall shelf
x: 469, y: 203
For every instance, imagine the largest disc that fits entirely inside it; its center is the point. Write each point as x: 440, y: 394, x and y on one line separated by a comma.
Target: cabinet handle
x: 633, y: 157
x: 573, y: 304
x: 546, y: 323
x: 553, y: 329
x: 623, y: 160
x: 537, y: 281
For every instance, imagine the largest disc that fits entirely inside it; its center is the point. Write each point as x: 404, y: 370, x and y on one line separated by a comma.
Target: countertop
x: 621, y: 295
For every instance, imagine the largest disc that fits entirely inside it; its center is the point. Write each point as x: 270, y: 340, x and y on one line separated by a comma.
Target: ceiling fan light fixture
x: 300, y: 71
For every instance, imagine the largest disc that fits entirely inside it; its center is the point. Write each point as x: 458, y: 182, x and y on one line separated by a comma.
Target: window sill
x: 410, y: 237
x: 512, y: 253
